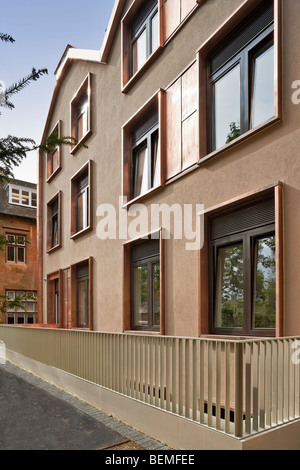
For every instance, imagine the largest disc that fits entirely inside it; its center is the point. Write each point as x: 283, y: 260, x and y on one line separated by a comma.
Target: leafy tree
x: 13, y: 150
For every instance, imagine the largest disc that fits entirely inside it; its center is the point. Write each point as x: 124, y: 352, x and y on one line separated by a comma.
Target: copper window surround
x: 128, y: 81
x: 127, y: 313
x: 202, y: 56
x: 73, y: 268
x: 53, y: 173
x: 51, y: 278
x: 277, y: 190
x: 84, y: 89
x: 56, y: 198
x: 155, y: 103
x: 86, y: 168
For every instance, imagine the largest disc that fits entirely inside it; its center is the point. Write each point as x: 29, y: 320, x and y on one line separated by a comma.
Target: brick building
x: 18, y: 261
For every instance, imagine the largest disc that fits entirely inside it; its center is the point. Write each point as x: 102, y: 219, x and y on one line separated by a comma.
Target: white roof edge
x: 79, y: 54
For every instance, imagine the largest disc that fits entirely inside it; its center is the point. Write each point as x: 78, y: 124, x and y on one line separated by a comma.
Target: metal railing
x: 239, y: 387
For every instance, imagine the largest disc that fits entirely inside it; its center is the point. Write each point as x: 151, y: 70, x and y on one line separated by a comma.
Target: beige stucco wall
x: 258, y: 162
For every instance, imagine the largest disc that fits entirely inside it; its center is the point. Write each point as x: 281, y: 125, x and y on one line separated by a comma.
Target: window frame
x: 51, y: 171
x: 128, y: 77
x: 128, y: 286
x: 16, y: 247
x: 207, y: 50
x: 276, y: 191
x: 74, y: 294
x: 85, y: 169
x: 155, y: 105
x: 24, y: 314
x: 21, y: 189
x: 244, y: 59
x: 85, y: 89
x: 248, y: 239
x: 56, y: 199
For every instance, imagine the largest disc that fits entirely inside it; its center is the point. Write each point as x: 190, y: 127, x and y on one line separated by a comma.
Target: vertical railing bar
x: 142, y: 376
x: 227, y: 387
x: 157, y: 350
x: 209, y: 383
x: 151, y: 370
x: 255, y: 386
x: 268, y: 383
x: 248, y: 387
x: 292, y: 381
x: 201, y: 380
x: 146, y: 398
x: 181, y: 381
x: 262, y: 385
x: 162, y: 375
x: 280, y: 381
x: 238, y: 412
x: 174, y: 375
x: 194, y: 386
x: 274, y: 382
x: 168, y: 374
x: 187, y: 378
x: 218, y: 385
x: 286, y: 381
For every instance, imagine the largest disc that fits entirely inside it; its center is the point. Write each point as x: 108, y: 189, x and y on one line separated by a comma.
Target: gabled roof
x: 99, y: 56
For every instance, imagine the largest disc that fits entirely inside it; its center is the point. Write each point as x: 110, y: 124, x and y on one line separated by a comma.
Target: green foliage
x: 18, y: 302
x: 235, y: 132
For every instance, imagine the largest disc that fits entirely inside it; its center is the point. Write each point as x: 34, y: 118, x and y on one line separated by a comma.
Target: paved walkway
x: 35, y: 415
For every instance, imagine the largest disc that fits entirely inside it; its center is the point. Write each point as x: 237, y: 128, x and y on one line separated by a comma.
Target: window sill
x: 142, y: 196
x: 239, y: 140
x: 80, y: 143
x: 132, y: 80
x: 73, y: 236
x: 51, y: 177
x: 16, y: 263
x: 53, y: 248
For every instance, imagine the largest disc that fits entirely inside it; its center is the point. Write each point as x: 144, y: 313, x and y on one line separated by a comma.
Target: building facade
x: 18, y: 260
x: 176, y: 211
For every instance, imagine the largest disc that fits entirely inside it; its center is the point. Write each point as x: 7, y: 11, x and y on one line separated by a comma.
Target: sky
x: 42, y: 29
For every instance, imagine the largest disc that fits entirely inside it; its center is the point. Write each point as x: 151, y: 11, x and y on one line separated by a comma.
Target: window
x: 243, y: 270
x: 144, y: 36
x: 242, y: 80
x: 145, y: 158
x: 23, y: 197
x: 53, y: 158
x: 54, y: 222
x: 141, y: 36
x: 81, y: 194
x: 81, y: 113
x: 54, y: 297
x: 240, y: 73
x: 142, y: 154
x: 82, y: 289
x: 16, y: 248
x: 26, y: 310
x: 145, y: 286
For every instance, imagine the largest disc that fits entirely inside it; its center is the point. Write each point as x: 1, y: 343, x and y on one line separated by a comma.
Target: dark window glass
x: 83, y: 296
x: 243, y: 270
x: 145, y: 160
x: 144, y: 34
x: 242, y: 80
x: 82, y: 203
x: 54, y: 225
x: 145, y: 289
